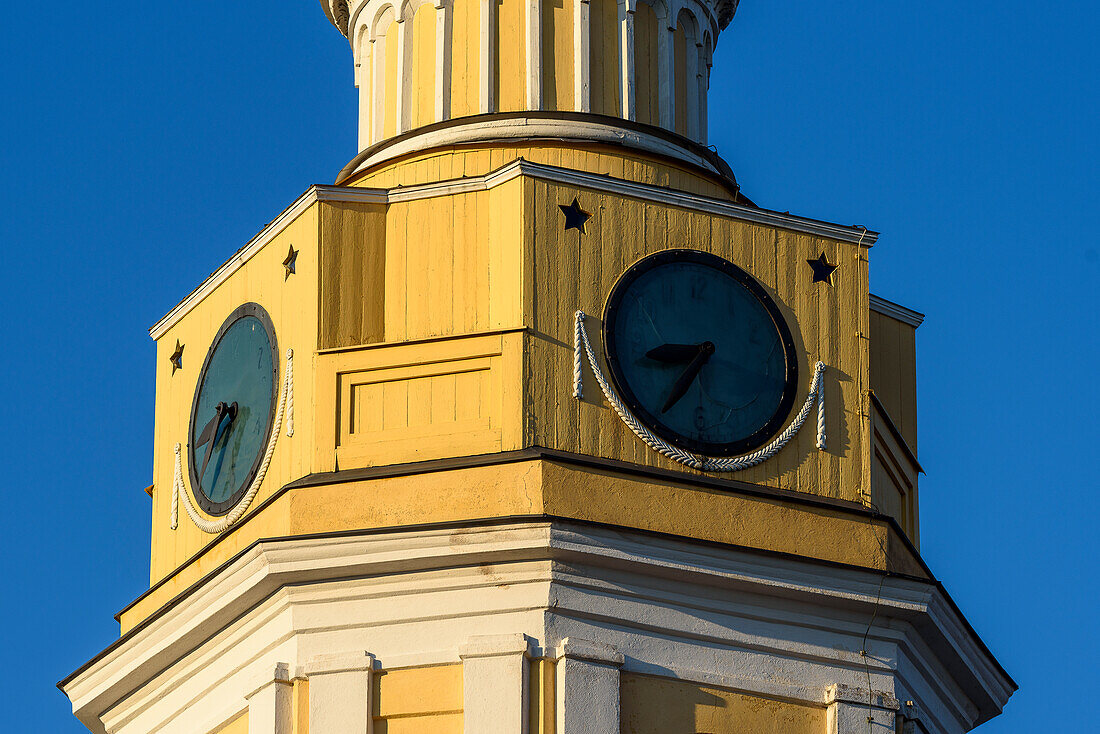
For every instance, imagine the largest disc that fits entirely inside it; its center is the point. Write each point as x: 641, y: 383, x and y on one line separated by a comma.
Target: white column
x: 691, y: 94
x: 582, y: 56
x: 404, y: 81
x: 486, y: 59
x: 494, y: 684
x: 377, y: 88
x: 856, y: 711
x: 340, y: 693
x: 270, y: 704
x: 443, y: 51
x: 666, y: 63
x: 534, y: 54
x: 701, y: 104
x: 626, y: 45
x: 587, y: 687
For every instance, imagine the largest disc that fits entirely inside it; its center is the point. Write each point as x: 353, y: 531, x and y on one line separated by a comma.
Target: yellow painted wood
x: 426, y: 693
x: 301, y: 706
x: 465, y: 57
x: 510, y: 78
x: 353, y: 286
x: 539, y: 487
x: 543, y: 696
x: 652, y: 705
x: 426, y: 400
x: 293, y: 304
x: 646, y: 66
x: 894, y: 372
x: 443, y: 327
x: 422, y: 75
x: 238, y: 725
x: 557, y: 54
x: 573, y: 272
x: 603, y: 50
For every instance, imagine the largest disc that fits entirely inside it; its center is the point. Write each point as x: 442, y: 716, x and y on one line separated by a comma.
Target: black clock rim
x: 614, y: 300
x: 210, y: 507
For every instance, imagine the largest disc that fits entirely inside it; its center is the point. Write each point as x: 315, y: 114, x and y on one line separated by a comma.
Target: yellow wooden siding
x: 238, y: 725
x: 572, y: 271
x: 422, y: 75
x: 646, y: 66
x: 292, y: 304
x: 465, y: 58
x: 603, y: 51
x: 894, y: 372
x: 452, y: 264
x: 510, y: 77
x: 353, y: 257
x: 557, y: 54
x: 412, y: 402
x: 391, y: 81
x: 652, y: 705
x: 452, y: 163
x: 424, y: 700
x: 894, y: 477
x: 679, y: 46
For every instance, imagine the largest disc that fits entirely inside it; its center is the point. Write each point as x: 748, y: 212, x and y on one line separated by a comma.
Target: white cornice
x: 895, y: 311
x: 513, y: 170
x: 750, y: 605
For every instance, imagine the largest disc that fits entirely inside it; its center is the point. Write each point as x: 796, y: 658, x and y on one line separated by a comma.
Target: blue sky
x: 145, y: 142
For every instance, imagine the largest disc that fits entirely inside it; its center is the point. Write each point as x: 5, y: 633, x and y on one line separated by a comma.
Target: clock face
x: 233, y: 409
x: 700, y: 352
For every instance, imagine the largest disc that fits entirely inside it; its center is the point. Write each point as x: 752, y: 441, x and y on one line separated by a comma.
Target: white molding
x: 626, y: 59
x: 521, y: 127
x: 896, y: 311
x: 515, y: 169
x: 765, y: 625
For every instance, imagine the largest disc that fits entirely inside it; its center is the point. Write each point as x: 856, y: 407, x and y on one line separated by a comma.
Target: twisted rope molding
x: 285, y: 409
x: 583, y: 348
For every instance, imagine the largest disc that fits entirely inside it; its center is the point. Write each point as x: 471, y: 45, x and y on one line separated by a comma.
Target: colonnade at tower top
x: 424, y: 62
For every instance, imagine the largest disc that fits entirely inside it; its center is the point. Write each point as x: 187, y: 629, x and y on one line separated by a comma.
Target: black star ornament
x: 823, y: 271
x: 177, y: 357
x: 288, y: 264
x: 575, y: 217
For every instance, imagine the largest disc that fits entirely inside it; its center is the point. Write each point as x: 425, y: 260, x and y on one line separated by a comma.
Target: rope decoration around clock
x: 583, y: 349
x: 284, y: 411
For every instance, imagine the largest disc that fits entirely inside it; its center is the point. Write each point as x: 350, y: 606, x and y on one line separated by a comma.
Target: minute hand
x: 680, y: 387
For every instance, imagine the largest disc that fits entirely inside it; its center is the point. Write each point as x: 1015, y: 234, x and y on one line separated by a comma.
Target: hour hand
x: 680, y: 387
x: 674, y: 353
x: 210, y: 431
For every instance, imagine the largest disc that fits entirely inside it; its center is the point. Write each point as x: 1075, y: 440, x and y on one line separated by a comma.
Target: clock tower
x: 535, y: 423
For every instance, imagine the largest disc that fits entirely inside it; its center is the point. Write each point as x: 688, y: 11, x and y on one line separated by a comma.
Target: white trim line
x: 896, y: 311
x: 515, y: 169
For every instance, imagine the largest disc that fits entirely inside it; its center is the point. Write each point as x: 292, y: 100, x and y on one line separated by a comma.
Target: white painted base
x: 597, y: 600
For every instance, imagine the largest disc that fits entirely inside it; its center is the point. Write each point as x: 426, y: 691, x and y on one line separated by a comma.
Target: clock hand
x: 674, y: 352
x: 680, y: 387
x: 211, y: 432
